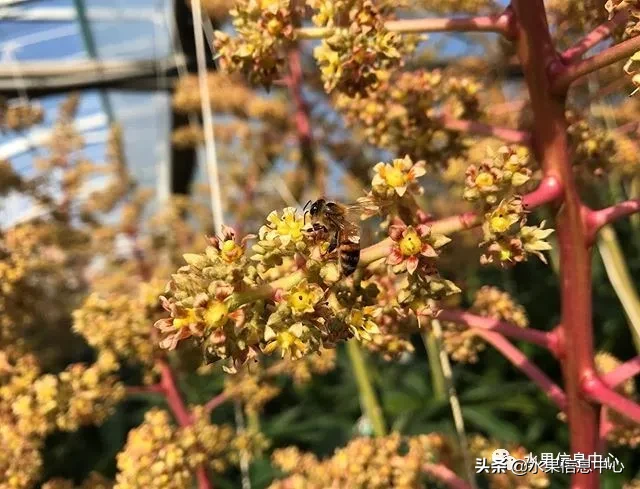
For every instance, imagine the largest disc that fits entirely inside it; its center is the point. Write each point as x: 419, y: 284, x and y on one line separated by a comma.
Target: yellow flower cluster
x: 354, y: 58
x: 156, y: 456
x: 461, y: 343
x: 494, y: 183
x: 365, y: 463
x: 78, y: 396
x: 484, y: 448
x: 93, y: 481
x: 499, y: 174
x: 20, y: 460
x: 33, y: 404
x: 265, y: 31
x: 121, y: 323
x: 402, y: 114
x: 208, y: 443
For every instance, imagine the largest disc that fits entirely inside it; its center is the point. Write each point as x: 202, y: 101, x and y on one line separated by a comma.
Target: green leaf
x: 484, y: 420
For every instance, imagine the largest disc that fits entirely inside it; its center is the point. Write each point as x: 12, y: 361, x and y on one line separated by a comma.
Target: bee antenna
x: 306, y: 205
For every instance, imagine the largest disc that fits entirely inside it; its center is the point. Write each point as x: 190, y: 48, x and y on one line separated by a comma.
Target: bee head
x: 317, y: 207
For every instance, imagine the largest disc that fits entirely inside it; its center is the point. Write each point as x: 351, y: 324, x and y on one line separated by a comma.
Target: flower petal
x: 412, y: 264
x: 395, y: 257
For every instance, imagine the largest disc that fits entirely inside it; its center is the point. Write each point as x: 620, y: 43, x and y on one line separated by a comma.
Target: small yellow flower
x: 397, y: 176
x: 190, y: 317
x: 288, y: 227
x: 499, y: 224
x: 230, y: 251
x: 304, y: 297
x: 410, y: 244
x: 394, y: 176
x: 216, y: 314
x: 484, y: 180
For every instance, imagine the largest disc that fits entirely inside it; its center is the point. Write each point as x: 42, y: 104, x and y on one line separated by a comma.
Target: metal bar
x: 69, y: 14
x: 92, y: 51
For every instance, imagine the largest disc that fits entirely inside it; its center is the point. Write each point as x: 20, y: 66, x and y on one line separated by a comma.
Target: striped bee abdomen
x: 349, y: 255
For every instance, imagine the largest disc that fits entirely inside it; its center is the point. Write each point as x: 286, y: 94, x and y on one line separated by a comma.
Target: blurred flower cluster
x: 483, y: 448
x: 34, y: 404
x: 121, y: 323
x: 593, y: 147
x: 384, y: 462
x: 404, y: 113
x: 158, y: 454
x: 496, y: 183
x: 20, y: 115
x: 461, y: 343
x: 623, y: 431
x: 265, y: 32
x: 93, y: 481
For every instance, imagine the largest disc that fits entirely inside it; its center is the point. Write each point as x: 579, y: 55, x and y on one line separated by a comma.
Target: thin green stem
x: 620, y: 278
x: 435, y: 369
x: 368, y: 398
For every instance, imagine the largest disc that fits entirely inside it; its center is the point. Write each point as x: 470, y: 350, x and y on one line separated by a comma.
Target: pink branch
x: 623, y: 372
x: 472, y: 321
x: 216, y: 401
x: 203, y: 478
x: 520, y: 361
x: 487, y: 23
x: 605, y: 428
x: 501, y: 24
x: 547, y: 191
x: 562, y: 76
x: 598, y: 391
x: 145, y: 389
x: 174, y: 398
x: 445, y: 475
x: 594, y: 220
x: 596, y: 36
x: 481, y: 129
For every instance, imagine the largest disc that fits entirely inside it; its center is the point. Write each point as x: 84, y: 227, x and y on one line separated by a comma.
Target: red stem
x: 171, y: 392
x: 564, y: 75
x: 216, y: 401
x: 599, y: 34
x: 302, y: 119
x: 445, y: 475
x: 600, y: 392
x: 594, y: 220
x: 526, y: 366
x: 501, y: 24
x: 537, y: 53
x: 472, y: 321
x: 481, y: 129
x: 549, y: 190
x: 203, y: 478
x: 623, y: 372
x: 145, y: 389
x: 605, y: 427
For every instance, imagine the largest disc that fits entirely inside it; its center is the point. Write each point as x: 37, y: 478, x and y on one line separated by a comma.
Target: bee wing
x: 363, y: 208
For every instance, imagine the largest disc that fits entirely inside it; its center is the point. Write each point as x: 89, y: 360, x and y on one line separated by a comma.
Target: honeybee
x: 340, y: 221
